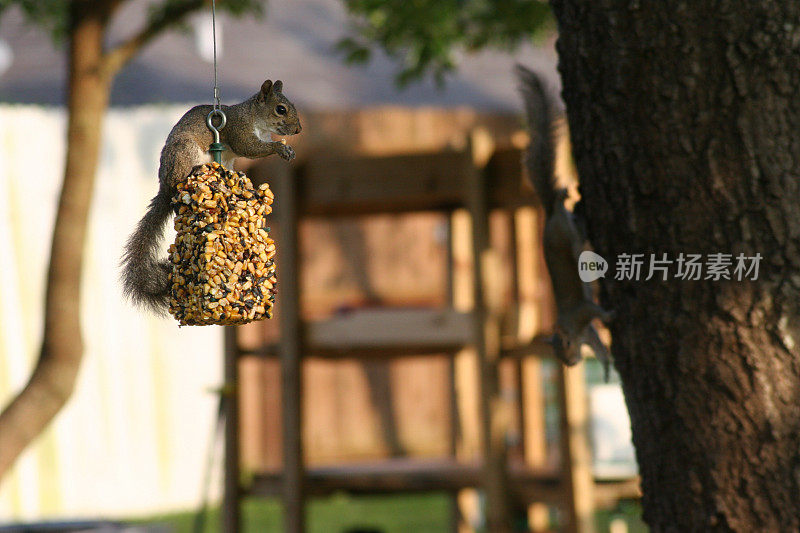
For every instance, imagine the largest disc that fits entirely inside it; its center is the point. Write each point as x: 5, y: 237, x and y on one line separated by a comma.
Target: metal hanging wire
x: 216, y: 147
x: 214, y: 38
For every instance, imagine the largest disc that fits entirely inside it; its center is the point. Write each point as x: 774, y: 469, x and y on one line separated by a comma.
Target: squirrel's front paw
x: 285, y: 151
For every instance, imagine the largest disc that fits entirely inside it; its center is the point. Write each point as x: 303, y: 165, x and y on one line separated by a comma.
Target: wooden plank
x: 345, y: 353
x: 381, y: 333
x: 288, y: 305
x: 453, y: 426
x: 487, y: 346
x: 531, y: 448
x: 251, y: 418
x: 393, y: 129
x: 231, y: 510
x: 538, y: 348
x: 534, y: 433
x: 378, y: 328
x: 393, y: 475
x: 345, y: 186
x: 420, y: 402
x: 575, y: 450
x: 531, y: 387
x: 271, y: 415
x: 406, y: 475
x: 374, y: 354
x: 359, y: 185
x: 465, y: 367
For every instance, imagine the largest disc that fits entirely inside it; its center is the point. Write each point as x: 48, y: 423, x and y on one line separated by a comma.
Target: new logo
x: 591, y: 266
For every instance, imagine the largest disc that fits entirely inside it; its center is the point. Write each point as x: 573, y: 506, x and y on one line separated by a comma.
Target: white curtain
x: 133, y: 438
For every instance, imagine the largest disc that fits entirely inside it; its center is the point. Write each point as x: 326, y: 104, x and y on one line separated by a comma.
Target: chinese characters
x: 715, y: 267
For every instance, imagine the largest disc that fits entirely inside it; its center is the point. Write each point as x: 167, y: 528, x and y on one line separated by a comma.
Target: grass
x: 420, y: 513
x: 627, y: 510
x: 423, y: 513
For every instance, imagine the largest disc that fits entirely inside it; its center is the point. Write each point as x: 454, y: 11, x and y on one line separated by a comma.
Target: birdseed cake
x: 223, y: 259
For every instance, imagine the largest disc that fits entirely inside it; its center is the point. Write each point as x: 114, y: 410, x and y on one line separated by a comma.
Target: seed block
x: 223, y: 259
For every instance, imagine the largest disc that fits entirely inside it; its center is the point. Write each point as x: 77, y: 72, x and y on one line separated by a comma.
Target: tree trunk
x: 52, y: 381
x: 685, y: 121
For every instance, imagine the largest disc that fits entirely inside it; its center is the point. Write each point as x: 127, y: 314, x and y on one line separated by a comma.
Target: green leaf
x: 53, y: 15
x: 354, y: 52
x: 421, y: 35
x: 50, y: 15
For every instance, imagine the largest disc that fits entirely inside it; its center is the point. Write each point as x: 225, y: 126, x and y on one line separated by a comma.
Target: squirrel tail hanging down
x: 563, y: 240
x: 539, y: 158
x: 144, y: 275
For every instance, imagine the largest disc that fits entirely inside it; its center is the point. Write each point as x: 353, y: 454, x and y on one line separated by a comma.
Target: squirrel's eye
x: 280, y: 109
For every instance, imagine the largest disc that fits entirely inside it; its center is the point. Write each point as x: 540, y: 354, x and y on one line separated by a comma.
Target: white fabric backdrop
x: 134, y: 437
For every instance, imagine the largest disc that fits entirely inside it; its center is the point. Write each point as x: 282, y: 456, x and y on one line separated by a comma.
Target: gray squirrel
x: 563, y: 239
x: 247, y: 134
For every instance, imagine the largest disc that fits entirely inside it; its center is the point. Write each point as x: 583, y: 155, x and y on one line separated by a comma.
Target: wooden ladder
x: 471, y: 181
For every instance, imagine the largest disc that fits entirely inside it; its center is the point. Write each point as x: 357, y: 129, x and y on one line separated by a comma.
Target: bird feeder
x: 223, y: 259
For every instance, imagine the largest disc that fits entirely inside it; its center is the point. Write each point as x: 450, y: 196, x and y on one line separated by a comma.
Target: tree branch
x: 171, y: 14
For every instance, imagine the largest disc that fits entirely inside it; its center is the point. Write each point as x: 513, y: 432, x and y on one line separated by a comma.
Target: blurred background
x: 394, y: 393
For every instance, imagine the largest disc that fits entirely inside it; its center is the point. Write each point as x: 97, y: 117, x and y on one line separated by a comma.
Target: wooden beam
x: 404, y: 475
x: 454, y: 430
x: 231, y: 510
x: 465, y: 365
x: 576, y: 456
x: 377, y: 333
x: 433, y: 181
x: 537, y: 347
x: 487, y: 344
x: 290, y: 351
x: 360, y: 185
x: 388, y: 328
x: 331, y: 343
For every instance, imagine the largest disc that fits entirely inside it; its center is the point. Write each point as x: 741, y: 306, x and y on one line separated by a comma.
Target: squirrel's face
x: 563, y: 347
x: 278, y: 112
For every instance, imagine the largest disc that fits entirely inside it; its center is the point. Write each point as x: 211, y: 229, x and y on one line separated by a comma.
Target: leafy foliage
x: 53, y: 15
x: 167, y: 9
x: 172, y: 13
x: 425, y: 35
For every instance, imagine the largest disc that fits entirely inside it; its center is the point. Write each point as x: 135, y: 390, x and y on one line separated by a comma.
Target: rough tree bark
x: 91, y: 71
x: 685, y: 120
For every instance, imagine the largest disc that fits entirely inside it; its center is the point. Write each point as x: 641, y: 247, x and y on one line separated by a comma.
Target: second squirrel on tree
x: 563, y: 240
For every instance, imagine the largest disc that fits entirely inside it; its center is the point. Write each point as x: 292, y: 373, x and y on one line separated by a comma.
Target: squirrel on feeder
x: 249, y: 126
x: 563, y: 240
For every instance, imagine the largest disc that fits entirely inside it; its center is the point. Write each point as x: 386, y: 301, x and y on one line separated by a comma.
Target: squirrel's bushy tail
x: 539, y: 158
x: 144, y: 276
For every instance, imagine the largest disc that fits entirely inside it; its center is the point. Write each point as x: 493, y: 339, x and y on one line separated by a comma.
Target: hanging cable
x: 214, y: 38
x: 216, y: 147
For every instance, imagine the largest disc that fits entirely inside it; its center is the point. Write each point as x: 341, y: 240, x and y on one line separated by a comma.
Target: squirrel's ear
x: 266, y: 87
x: 278, y: 87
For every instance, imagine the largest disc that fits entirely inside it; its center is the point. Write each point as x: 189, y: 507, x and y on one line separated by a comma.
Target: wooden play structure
x: 480, y: 334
